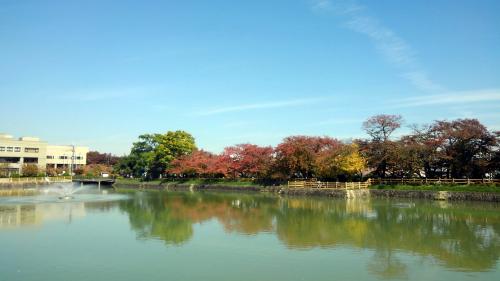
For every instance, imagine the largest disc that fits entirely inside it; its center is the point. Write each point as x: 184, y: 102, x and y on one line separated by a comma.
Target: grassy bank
x: 249, y: 183
x: 461, y: 188
x: 190, y: 181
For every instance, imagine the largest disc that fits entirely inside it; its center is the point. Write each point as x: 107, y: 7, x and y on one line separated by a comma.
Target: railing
x: 93, y: 178
x: 329, y: 185
x: 423, y: 181
x: 36, y: 179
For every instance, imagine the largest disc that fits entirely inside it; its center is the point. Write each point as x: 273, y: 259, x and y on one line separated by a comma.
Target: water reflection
x: 462, y: 236
x: 13, y: 216
x: 21, y: 211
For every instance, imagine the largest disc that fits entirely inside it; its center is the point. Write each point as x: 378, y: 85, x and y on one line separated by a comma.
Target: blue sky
x: 99, y: 73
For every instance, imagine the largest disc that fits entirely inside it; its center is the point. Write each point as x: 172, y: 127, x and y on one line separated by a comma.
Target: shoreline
x: 285, y: 191
x: 337, y: 193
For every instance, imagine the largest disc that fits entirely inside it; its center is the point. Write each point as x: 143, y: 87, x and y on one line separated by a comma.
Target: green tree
x: 152, y: 154
x: 168, y: 147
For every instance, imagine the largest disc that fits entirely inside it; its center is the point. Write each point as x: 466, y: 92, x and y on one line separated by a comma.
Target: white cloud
x: 462, y: 97
x: 92, y: 95
x: 237, y: 125
x: 321, y: 4
x: 423, y: 82
x: 338, y: 121
x: 400, y: 54
x: 394, y: 48
x: 256, y: 106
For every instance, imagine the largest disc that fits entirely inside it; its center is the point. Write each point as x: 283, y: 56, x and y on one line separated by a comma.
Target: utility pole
x: 72, y: 160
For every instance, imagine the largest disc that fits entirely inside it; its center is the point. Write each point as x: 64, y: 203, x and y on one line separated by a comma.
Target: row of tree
x: 459, y: 148
x: 462, y: 148
x: 296, y: 156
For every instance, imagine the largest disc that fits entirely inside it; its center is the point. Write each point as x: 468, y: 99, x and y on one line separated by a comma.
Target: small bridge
x: 98, y: 181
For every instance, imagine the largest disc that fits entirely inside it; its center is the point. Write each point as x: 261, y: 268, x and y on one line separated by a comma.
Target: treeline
x: 444, y: 149
x: 462, y: 148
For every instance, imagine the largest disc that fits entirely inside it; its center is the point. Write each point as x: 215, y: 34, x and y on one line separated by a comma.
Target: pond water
x: 239, y: 236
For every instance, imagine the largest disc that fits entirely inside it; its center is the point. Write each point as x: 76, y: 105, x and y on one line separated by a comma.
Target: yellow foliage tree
x: 343, y: 161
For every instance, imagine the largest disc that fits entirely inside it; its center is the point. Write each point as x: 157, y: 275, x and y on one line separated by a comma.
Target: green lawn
x: 462, y: 188
x: 137, y: 181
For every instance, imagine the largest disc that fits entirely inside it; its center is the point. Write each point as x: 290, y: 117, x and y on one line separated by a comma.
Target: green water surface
x: 237, y: 236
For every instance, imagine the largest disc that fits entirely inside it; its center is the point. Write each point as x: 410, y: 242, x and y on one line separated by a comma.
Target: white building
x: 15, y: 153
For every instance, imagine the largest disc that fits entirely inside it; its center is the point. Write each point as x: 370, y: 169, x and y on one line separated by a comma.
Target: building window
x: 2, y: 148
x: 10, y: 149
x: 9, y: 159
x: 31, y: 149
x: 50, y: 157
x: 78, y: 158
x: 17, y: 149
x: 63, y: 157
x: 30, y: 160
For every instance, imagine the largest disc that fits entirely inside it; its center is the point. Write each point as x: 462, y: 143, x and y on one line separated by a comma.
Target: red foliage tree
x: 380, y: 148
x: 247, y: 160
x: 95, y: 157
x: 466, y: 147
x: 296, y: 155
x: 380, y: 127
x: 199, y: 163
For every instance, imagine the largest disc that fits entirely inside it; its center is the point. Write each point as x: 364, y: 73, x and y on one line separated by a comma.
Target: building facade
x: 15, y: 153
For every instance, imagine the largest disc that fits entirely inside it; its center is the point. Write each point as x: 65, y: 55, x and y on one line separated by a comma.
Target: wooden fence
x: 366, y: 184
x: 330, y: 185
x: 423, y: 181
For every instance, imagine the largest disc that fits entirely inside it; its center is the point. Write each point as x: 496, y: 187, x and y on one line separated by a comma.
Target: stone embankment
x: 337, y: 193
x: 437, y: 195
x: 18, y: 191
x: 334, y: 193
x: 22, y: 185
x: 29, y: 182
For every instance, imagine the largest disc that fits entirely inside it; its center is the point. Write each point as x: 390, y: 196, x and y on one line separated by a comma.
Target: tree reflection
x: 460, y: 236
x: 151, y: 218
